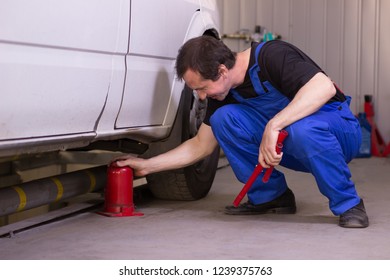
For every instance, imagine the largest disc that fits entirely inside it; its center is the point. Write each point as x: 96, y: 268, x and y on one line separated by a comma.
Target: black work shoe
x: 355, y: 217
x: 284, y: 204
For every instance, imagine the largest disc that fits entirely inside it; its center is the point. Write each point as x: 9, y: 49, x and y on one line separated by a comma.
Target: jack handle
x: 258, y: 169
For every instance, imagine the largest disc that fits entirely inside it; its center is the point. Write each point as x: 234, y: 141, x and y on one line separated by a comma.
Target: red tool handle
x: 248, y: 185
x: 282, y: 135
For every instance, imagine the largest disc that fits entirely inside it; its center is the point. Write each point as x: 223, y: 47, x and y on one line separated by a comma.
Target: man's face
x: 218, y: 89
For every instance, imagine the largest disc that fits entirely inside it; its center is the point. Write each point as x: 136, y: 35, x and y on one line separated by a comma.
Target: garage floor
x: 200, y: 229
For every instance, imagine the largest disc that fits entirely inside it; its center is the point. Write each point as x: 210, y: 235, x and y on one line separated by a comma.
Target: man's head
x: 204, y: 55
x: 203, y: 63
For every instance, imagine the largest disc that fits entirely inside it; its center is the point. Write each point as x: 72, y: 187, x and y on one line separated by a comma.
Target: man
x: 254, y: 94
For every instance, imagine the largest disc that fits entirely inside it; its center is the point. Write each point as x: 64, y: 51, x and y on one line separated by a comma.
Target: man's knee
x: 224, y: 120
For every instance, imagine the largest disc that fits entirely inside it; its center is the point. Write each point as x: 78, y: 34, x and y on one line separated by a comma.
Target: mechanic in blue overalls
x: 254, y: 94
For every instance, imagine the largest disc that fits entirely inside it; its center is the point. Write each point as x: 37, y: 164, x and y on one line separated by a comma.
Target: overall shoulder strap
x: 254, y: 72
x: 258, y: 48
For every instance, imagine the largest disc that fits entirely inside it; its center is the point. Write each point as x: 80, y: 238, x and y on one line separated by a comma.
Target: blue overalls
x: 322, y: 143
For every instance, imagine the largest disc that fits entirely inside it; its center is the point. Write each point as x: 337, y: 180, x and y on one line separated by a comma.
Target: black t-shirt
x: 285, y: 66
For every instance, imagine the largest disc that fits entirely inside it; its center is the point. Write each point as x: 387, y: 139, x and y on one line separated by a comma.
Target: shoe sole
x: 353, y: 225
x: 283, y: 210
x: 277, y: 210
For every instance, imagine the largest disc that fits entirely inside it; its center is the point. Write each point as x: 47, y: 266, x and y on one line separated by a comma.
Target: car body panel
x: 147, y: 91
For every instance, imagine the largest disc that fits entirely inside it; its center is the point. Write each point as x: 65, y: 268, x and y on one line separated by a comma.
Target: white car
x: 99, y: 74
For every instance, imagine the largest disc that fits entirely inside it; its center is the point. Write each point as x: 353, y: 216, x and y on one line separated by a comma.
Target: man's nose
x: 202, y: 95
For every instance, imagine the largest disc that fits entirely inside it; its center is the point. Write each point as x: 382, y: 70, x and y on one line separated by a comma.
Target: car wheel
x: 192, y: 182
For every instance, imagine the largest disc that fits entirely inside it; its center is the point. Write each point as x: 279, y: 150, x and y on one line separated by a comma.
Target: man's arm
x: 311, y: 97
x: 189, y: 152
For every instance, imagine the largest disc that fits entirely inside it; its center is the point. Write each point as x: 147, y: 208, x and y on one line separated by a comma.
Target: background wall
x: 349, y: 39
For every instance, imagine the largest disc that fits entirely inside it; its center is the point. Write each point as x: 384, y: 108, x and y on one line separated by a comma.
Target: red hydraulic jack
x: 378, y: 146
x: 258, y: 169
x: 118, y: 201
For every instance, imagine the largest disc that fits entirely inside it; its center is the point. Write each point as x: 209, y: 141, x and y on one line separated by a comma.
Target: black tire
x: 192, y: 182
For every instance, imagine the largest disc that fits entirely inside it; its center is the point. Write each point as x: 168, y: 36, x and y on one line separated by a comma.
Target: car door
x: 59, y: 61
x: 157, y: 30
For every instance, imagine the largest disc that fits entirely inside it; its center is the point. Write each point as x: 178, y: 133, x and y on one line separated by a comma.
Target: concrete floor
x: 200, y: 229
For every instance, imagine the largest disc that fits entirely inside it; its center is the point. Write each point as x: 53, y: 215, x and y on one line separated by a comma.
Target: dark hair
x: 204, y: 54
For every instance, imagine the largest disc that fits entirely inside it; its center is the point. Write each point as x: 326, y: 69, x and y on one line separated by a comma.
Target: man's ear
x: 222, y: 70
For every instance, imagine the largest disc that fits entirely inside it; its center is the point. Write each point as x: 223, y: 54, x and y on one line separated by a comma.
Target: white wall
x: 349, y: 39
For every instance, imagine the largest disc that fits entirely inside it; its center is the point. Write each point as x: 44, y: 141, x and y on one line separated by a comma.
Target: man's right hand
x: 137, y: 164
